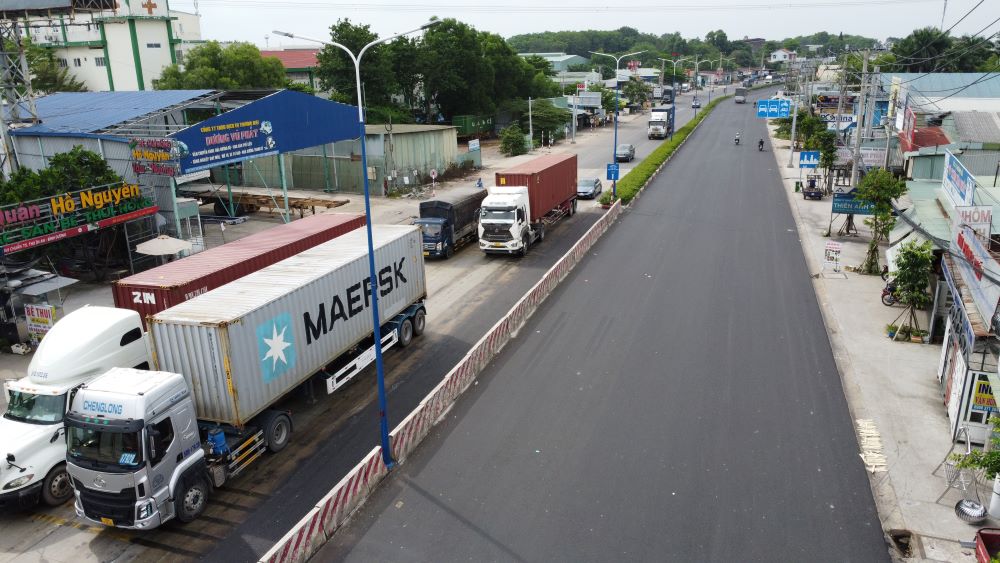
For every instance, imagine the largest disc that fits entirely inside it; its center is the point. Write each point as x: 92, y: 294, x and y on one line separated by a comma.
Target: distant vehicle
x: 685, y: 87
x: 659, y: 123
x: 625, y: 153
x: 741, y: 95
x: 589, y: 188
x: 695, y: 103
x: 668, y: 95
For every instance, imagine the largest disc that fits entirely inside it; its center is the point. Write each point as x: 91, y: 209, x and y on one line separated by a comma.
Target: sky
x: 255, y: 20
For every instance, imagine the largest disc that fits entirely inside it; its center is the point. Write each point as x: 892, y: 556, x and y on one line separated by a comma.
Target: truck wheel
x: 277, y: 431
x: 524, y: 245
x: 57, y: 487
x: 405, y: 333
x: 572, y: 208
x: 192, y: 499
x: 541, y: 233
x: 448, y: 252
x: 419, y: 322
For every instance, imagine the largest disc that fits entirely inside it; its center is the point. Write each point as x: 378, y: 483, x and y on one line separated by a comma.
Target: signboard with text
x: 977, y: 269
x: 40, y: 319
x: 870, y: 156
x: 847, y: 204
x: 155, y: 156
x: 958, y: 183
x: 979, y: 217
x: 44, y: 221
x: 982, y: 395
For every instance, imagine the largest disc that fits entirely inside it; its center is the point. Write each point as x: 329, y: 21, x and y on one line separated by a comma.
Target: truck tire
x: 277, y: 431
x: 524, y: 245
x: 572, y: 208
x: 405, y: 333
x: 419, y: 322
x: 57, y: 487
x: 448, y: 252
x: 192, y: 499
x: 541, y: 233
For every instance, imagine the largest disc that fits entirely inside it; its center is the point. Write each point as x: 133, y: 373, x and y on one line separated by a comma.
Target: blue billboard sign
x: 847, y: 204
x: 613, y: 171
x: 281, y: 122
x: 772, y: 109
x: 809, y: 159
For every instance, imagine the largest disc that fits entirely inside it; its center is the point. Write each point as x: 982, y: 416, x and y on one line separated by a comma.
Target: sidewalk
x: 891, y: 386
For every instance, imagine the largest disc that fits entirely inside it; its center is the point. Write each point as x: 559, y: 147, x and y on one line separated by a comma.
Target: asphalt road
x: 676, y: 399
x: 334, y: 443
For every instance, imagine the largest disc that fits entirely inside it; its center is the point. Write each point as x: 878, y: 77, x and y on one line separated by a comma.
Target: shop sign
x: 958, y: 183
x: 44, y: 221
x: 978, y: 217
x: 982, y: 395
x: 847, y: 204
x: 871, y: 156
x: 831, y: 256
x: 156, y: 156
x: 977, y: 268
x: 40, y: 319
x: 957, y: 315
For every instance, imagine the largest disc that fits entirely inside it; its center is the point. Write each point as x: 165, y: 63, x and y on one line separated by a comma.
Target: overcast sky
x: 252, y: 20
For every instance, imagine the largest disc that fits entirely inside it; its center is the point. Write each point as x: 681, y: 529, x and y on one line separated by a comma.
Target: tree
x: 635, y: 90
x: 912, y: 277
x: 922, y: 50
x: 456, y: 76
x: 214, y: 67
x: 46, y: 74
x: 512, y: 141
x: 540, y: 65
x: 70, y: 171
x: 582, y: 67
x: 546, y: 119
x: 336, y: 70
x: 967, y: 54
x: 879, y: 188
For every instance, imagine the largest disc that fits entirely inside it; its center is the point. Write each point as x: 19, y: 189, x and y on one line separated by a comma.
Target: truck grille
x: 120, y: 506
x: 496, y: 233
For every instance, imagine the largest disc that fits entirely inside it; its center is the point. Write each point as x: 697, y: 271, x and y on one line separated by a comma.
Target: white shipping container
x: 243, y: 346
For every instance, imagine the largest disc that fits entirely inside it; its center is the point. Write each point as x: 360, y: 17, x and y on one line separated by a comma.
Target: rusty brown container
x: 551, y: 182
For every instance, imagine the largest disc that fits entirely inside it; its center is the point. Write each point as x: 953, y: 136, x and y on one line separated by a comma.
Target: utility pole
x: 862, y: 111
x: 795, y: 115
x: 572, y: 142
x: 943, y: 10
x: 531, y: 133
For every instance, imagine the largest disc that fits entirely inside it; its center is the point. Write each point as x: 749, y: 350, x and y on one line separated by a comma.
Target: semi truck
x: 450, y: 221
x: 81, y: 346
x: 525, y: 199
x: 659, y: 123
x: 145, y: 447
x: 741, y: 95
x: 163, y: 287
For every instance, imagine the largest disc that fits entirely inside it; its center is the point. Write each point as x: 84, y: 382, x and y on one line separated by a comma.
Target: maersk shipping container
x: 243, y: 346
x: 162, y: 287
x: 551, y: 182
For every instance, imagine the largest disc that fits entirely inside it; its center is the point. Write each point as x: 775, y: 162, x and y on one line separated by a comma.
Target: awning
x: 43, y: 287
x: 893, y: 251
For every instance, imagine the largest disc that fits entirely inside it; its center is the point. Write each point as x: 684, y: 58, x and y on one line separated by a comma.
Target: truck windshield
x: 35, y: 409
x: 102, y: 448
x: 498, y: 214
x: 657, y: 123
x: 432, y: 231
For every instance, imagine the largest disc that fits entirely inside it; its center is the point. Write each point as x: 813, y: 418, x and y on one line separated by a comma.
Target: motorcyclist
x: 760, y: 144
x: 737, y: 137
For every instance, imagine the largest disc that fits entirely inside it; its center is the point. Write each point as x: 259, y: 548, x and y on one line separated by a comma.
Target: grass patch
x: 637, y: 178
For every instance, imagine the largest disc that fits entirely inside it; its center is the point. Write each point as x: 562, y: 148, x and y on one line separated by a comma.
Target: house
x: 559, y: 61
x: 300, y: 64
x: 783, y: 56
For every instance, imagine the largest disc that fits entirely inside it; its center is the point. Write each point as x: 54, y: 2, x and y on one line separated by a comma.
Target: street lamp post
x: 380, y: 371
x: 614, y: 147
x: 697, y: 79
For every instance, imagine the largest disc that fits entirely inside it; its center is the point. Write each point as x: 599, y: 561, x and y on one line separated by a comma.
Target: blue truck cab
x: 450, y: 221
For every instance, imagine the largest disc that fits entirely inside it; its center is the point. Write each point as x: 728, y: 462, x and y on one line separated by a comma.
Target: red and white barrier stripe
x: 320, y: 523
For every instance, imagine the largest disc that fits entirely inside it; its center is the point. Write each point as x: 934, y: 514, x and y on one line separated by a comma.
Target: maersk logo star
x: 276, y: 347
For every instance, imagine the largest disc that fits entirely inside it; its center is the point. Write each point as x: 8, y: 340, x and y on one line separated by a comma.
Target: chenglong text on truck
x: 525, y: 199
x: 144, y: 447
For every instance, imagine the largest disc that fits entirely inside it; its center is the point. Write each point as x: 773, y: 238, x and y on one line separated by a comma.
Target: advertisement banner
x: 958, y: 183
x: 40, y: 319
x: 871, y: 156
x: 44, y: 221
x: 281, y: 122
x: 979, y: 217
x: 155, y: 156
x: 846, y: 204
x: 982, y: 394
x: 978, y: 269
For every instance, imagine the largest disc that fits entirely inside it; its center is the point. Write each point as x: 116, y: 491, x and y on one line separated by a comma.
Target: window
x: 76, y: 62
x: 62, y: 63
x: 166, y: 432
x: 100, y: 61
x: 179, y: 55
x: 152, y: 45
x: 132, y: 335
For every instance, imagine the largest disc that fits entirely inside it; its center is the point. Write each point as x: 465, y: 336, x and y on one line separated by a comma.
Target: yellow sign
x: 982, y: 398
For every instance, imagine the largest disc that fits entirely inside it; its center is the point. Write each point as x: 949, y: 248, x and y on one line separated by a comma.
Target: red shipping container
x: 551, y: 182
x: 163, y: 287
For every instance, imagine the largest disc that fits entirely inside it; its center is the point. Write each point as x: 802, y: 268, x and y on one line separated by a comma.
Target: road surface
x: 676, y: 399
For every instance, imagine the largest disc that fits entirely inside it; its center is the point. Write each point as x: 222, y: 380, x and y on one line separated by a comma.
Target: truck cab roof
x: 82, y: 345
x: 129, y: 394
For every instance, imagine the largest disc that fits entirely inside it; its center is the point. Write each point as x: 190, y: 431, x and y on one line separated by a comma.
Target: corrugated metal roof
x: 956, y: 84
x: 977, y: 126
x: 295, y: 58
x: 87, y: 113
x: 33, y: 7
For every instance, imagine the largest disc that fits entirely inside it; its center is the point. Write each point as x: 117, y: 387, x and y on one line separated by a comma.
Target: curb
x: 335, y: 508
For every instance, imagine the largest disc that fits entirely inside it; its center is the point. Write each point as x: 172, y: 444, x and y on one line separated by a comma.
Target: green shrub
x: 512, y: 141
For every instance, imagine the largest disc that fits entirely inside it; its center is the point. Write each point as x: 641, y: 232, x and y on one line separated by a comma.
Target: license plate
x: 107, y: 521
x: 497, y: 245
x: 427, y: 253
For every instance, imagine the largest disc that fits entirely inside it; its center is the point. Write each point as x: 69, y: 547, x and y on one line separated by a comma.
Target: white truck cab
x: 80, y: 347
x: 134, y: 450
x: 504, y: 222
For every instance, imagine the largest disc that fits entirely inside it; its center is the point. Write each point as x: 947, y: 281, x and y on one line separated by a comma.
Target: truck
x: 741, y: 95
x: 163, y: 287
x: 525, y: 199
x: 145, y: 447
x: 81, y: 346
x: 450, y: 221
x: 659, y: 123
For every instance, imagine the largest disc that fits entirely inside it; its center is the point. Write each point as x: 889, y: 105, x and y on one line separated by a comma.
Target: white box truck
x: 81, y: 346
x: 146, y: 447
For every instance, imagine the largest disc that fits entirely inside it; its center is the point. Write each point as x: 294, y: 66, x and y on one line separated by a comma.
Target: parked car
x: 695, y: 103
x: 625, y: 152
x: 588, y: 187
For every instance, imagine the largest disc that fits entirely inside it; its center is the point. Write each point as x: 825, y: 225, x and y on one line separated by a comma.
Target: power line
x: 542, y: 8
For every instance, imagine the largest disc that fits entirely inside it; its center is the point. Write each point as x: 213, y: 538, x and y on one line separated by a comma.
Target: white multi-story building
x: 125, y: 49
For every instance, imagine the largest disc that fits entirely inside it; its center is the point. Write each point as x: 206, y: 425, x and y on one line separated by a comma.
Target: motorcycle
x: 890, y: 293
x: 737, y: 140
x: 760, y: 146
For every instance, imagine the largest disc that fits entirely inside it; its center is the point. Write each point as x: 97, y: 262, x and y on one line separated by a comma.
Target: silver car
x: 589, y: 188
